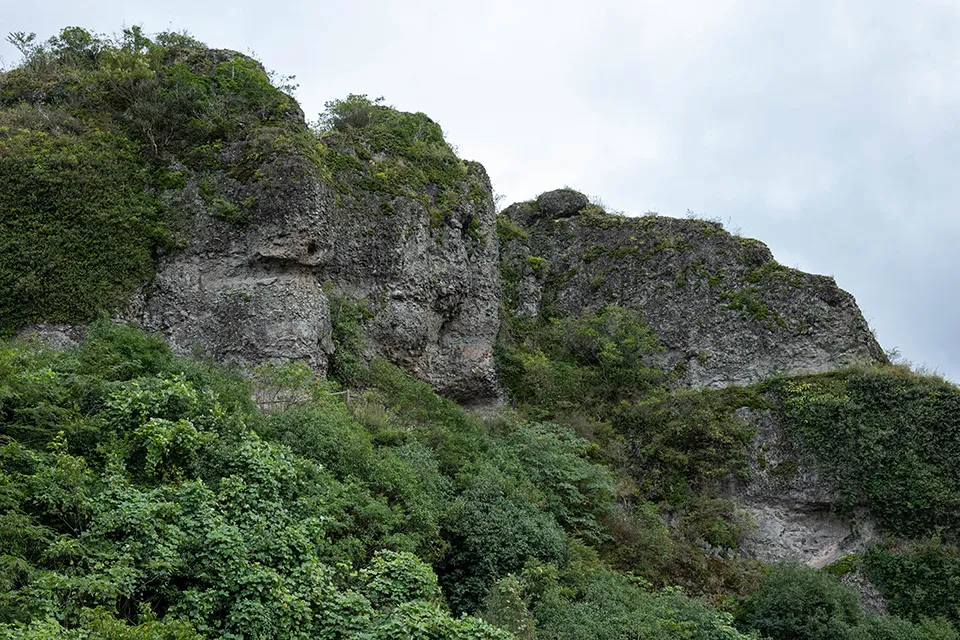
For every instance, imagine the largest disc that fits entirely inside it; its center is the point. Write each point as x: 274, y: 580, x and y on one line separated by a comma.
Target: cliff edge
x: 724, y: 310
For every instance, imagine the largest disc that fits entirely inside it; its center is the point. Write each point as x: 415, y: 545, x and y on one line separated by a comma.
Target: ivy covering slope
x: 110, y: 146
x: 890, y: 439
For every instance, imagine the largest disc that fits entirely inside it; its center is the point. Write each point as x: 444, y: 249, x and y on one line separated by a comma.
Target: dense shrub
x: 143, y: 494
x: 127, y: 487
x: 375, y: 149
x: 552, y: 365
x: 685, y: 441
x: 586, y: 600
x: 799, y: 603
x: 347, y: 317
x: 795, y: 602
x: 918, y: 581
x: 77, y: 229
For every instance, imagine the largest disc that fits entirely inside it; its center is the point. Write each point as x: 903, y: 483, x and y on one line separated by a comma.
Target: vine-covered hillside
x: 146, y: 497
x: 586, y: 470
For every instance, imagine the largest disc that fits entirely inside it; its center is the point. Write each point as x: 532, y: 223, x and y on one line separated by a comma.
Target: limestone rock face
x: 260, y: 292
x: 430, y: 283
x: 725, y: 311
x: 245, y: 294
x: 797, y: 514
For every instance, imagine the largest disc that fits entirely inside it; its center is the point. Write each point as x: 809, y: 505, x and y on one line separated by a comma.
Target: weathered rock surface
x: 57, y: 336
x: 725, y: 311
x: 432, y: 287
x: 257, y: 293
x: 797, y: 513
x: 246, y: 294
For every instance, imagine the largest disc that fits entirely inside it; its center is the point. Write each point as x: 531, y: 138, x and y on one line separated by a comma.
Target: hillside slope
x: 661, y: 412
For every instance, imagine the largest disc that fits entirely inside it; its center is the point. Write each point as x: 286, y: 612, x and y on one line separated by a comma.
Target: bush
x: 587, y: 600
x: 594, y: 360
x: 390, y: 153
x: 918, y: 581
x: 795, y: 602
x: 493, y: 531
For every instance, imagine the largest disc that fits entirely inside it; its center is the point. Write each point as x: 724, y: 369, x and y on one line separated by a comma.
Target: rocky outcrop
x: 246, y: 293
x: 725, y: 311
x: 794, y: 514
x: 430, y: 283
x: 257, y: 292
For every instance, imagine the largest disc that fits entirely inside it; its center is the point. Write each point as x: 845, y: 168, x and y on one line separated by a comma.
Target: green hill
x: 590, y: 483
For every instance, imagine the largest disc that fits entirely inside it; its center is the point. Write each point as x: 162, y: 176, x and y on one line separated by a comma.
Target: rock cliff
x: 731, y: 406
x: 797, y: 514
x: 725, y: 311
x: 424, y: 273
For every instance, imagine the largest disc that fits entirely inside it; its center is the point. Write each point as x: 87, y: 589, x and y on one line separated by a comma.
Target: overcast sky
x: 826, y: 128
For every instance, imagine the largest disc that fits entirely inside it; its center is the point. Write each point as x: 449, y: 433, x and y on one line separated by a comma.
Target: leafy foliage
x: 920, y: 580
x: 347, y: 317
x: 586, y: 600
x: 799, y: 603
x: 685, y: 441
x: 375, y: 149
x: 591, y: 359
x: 669, y: 449
x: 128, y: 487
x: 78, y: 227
x: 144, y: 496
x: 888, y: 437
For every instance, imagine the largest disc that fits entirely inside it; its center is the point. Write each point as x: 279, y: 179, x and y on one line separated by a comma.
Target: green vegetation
x: 134, y: 483
x: 147, y: 497
x: 919, y: 580
x: 594, y: 215
x: 144, y: 496
x: 668, y: 450
x: 747, y: 301
x: 799, y: 603
x: 567, y: 362
x: 508, y: 230
x: 888, y: 437
x: 105, y: 142
x: 587, y: 600
x: 347, y: 317
x: 77, y: 228
x: 375, y: 149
